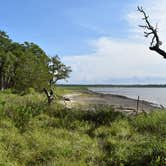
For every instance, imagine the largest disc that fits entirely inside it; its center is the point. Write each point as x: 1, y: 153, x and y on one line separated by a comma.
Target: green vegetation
x: 34, y: 133
x: 26, y: 65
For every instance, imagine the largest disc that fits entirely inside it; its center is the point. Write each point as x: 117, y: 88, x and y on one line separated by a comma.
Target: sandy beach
x: 120, y: 103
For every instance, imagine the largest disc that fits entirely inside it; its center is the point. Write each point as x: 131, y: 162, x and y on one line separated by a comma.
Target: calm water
x: 155, y: 95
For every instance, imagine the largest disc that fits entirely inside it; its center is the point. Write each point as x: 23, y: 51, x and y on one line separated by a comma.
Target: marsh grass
x: 33, y: 133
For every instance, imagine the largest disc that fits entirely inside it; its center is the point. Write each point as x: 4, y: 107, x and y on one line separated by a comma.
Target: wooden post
x: 137, y: 104
x: 142, y: 106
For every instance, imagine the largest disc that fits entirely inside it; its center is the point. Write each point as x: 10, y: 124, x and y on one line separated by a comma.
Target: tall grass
x: 33, y: 133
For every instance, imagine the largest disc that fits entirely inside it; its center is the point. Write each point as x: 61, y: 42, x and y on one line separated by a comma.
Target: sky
x: 99, y: 39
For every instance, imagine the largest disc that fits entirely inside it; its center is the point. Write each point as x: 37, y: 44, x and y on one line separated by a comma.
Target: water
x: 154, y: 95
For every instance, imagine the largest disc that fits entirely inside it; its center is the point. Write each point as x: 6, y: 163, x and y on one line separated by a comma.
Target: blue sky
x: 99, y: 39
x: 61, y: 26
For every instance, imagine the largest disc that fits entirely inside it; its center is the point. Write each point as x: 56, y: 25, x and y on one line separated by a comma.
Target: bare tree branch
x: 151, y: 30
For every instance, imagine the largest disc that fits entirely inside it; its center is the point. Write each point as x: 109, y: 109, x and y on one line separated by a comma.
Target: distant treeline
x: 112, y: 85
x: 26, y: 65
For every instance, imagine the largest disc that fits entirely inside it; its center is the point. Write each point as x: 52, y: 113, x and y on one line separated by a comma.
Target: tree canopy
x: 58, y: 69
x: 26, y: 65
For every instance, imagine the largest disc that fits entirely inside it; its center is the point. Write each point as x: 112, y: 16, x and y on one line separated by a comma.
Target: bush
x: 48, y: 146
x: 7, y: 91
x: 135, y: 150
x: 30, y: 91
x: 102, y: 115
x: 23, y: 114
x: 153, y: 123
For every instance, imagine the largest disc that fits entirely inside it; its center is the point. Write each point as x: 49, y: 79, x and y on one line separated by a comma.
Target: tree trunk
x: 2, y: 83
x: 50, y: 95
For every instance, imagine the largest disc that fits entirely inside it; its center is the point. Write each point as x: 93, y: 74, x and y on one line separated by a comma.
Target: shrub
x: 30, y: 91
x: 22, y: 115
x: 135, y: 151
x: 48, y: 146
x: 153, y: 123
x: 13, y: 147
x: 7, y: 91
x: 101, y: 115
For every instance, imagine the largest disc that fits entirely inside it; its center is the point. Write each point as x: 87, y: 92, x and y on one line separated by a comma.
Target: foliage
x: 26, y: 65
x: 58, y: 69
x: 151, y: 124
x: 35, y: 133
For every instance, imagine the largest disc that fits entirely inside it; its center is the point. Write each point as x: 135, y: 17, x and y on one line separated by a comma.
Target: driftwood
x: 66, y: 99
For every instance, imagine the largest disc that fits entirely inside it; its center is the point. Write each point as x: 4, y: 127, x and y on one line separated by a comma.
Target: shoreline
x: 125, y: 97
x: 118, y: 102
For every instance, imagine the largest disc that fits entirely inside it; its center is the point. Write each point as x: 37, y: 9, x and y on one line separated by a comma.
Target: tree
x: 33, y: 69
x: 5, y: 44
x: 26, y: 65
x: 58, y: 70
x: 152, y: 31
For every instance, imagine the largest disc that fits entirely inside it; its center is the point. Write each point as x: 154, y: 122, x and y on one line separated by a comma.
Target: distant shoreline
x: 115, y: 85
x: 155, y: 105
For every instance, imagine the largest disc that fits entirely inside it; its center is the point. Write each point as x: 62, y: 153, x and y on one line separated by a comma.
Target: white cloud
x: 114, y: 59
x: 157, y: 15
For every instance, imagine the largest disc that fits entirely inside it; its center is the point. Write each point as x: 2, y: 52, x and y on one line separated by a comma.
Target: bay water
x: 155, y: 95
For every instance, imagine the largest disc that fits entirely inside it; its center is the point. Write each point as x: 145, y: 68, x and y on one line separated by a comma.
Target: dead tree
x: 66, y: 99
x: 151, y: 31
x: 50, y: 95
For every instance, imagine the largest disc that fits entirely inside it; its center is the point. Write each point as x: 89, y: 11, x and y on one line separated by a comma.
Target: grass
x: 33, y: 133
x: 62, y: 90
